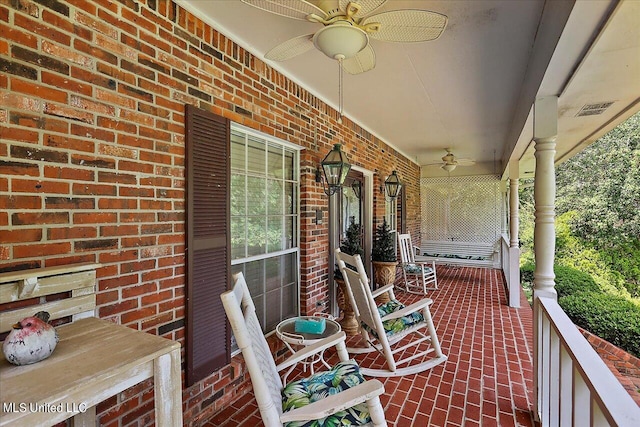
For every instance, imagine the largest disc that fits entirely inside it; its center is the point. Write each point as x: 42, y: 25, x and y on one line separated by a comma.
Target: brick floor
x: 487, y: 379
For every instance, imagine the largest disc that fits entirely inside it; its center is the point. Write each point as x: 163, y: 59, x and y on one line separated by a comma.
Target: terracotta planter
x: 384, y: 273
x: 348, y: 322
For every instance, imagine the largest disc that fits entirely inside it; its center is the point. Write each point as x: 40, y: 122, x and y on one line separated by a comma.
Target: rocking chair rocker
x: 385, y: 327
x: 301, y: 401
x: 416, y: 275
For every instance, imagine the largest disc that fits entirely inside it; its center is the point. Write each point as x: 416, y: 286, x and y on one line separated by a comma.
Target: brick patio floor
x: 487, y: 379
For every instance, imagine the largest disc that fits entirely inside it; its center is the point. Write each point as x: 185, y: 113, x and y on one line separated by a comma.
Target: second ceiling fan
x: 347, y: 28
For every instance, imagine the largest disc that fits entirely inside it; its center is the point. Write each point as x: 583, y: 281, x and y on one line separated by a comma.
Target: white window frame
x: 295, y: 244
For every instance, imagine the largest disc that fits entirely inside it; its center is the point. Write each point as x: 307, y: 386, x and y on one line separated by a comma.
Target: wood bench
x: 94, y: 359
x: 458, y: 252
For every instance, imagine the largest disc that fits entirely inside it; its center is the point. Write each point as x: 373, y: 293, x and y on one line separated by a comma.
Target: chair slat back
x: 357, y: 284
x: 406, y: 249
x: 265, y: 379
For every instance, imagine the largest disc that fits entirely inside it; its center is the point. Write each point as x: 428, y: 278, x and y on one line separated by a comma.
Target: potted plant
x: 352, y: 245
x: 383, y: 257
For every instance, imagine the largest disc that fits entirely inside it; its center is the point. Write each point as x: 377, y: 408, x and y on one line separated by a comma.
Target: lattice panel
x: 467, y: 208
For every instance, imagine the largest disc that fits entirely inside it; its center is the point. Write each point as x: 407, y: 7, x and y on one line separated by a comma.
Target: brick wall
x: 92, y: 98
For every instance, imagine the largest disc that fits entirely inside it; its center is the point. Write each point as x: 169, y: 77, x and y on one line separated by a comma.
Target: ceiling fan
x: 347, y: 27
x: 450, y: 161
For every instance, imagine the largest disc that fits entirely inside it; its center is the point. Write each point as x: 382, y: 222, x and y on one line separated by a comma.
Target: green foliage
x: 352, y: 243
x: 383, y: 247
x: 570, y: 281
x: 597, y: 236
x: 613, y: 318
x: 602, y: 185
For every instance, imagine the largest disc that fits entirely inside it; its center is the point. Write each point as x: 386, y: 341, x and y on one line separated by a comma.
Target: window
x: 391, y: 215
x: 265, y: 221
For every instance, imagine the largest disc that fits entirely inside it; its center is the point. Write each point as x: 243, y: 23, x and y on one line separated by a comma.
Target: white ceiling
x: 472, y: 89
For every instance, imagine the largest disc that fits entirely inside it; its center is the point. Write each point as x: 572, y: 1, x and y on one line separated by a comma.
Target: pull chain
x: 340, y: 89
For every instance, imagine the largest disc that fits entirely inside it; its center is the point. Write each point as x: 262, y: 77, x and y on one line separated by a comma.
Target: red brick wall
x: 92, y: 98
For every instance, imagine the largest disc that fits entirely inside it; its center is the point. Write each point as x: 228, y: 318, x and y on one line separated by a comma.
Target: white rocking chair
x: 385, y: 327
x: 301, y: 401
x: 417, y: 275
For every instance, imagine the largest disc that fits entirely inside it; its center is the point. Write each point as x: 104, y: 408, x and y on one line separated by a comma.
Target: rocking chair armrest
x: 381, y: 290
x: 335, y: 402
x: 325, y: 343
x: 408, y: 309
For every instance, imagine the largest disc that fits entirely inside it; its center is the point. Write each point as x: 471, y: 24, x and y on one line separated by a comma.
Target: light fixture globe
x: 340, y: 40
x: 392, y: 185
x: 449, y: 167
x: 335, y: 166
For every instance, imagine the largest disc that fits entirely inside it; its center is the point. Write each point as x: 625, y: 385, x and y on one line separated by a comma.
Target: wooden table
x: 93, y: 361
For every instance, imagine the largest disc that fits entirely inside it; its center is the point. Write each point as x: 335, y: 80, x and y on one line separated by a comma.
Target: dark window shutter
x: 402, y: 211
x: 208, y: 241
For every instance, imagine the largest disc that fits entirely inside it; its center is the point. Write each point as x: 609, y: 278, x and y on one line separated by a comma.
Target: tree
x: 602, y: 184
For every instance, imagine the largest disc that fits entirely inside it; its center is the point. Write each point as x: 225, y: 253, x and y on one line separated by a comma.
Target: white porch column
x: 514, y: 204
x: 514, y: 247
x: 545, y: 130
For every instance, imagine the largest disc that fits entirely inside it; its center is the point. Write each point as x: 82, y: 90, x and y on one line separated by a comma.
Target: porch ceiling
x: 472, y: 89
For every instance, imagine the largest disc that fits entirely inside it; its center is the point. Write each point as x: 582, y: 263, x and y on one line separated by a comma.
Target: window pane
x: 289, y: 232
x: 238, y: 195
x: 238, y: 238
x: 256, y: 188
x: 274, y: 302
x: 256, y: 235
x: 274, y: 191
x: 289, y: 198
x: 289, y: 301
x: 254, y: 275
x: 274, y: 159
x: 289, y: 269
x: 289, y: 166
x: 273, y: 273
x: 256, y: 156
x: 238, y: 156
x: 275, y: 235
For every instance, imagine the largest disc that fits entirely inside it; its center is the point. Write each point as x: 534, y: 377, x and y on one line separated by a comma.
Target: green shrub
x: 611, y: 317
x: 570, y: 281
x: 526, y: 272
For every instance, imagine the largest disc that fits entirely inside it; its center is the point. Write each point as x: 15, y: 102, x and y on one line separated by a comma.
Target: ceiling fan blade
x: 296, y: 9
x: 290, y: 48
x: 366, y: 6
x: 406, y: 25
x: 364, y: 60
x: 465, y: 162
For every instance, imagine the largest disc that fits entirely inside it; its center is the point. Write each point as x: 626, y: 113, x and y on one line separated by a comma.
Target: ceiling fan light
x: 449, y: 167
x: 340, y: 41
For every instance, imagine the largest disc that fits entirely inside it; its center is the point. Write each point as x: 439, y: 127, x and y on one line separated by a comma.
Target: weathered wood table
x: 93, y: 361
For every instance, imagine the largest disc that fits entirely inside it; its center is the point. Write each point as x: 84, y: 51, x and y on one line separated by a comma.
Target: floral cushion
x: 394, y: 326
x: 417, y: 269
x: 302, y: 392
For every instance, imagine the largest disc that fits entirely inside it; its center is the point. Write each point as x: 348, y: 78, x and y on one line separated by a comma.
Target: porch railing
x: 574, y: 386
x: 510, y: 261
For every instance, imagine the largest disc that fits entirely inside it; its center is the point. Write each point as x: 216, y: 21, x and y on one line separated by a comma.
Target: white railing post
x: 545, y: 130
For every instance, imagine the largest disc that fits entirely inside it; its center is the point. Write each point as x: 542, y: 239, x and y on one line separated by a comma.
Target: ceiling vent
x: 593, y: 109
